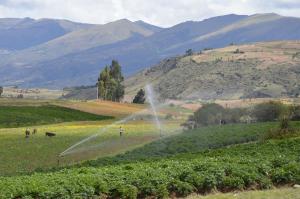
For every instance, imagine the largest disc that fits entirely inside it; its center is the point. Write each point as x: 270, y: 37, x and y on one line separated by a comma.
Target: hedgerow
x: 234, y: 168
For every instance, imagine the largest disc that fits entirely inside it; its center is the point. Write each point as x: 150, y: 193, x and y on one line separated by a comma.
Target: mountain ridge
x: 57, y: 63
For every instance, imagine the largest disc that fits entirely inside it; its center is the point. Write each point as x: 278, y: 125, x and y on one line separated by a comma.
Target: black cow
x: 50, y: 134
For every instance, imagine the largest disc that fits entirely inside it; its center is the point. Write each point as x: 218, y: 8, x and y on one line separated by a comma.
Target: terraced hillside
x: 268, y: 69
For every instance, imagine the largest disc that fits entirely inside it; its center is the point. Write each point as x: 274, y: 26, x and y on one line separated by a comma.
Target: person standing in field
x: 121, y: 131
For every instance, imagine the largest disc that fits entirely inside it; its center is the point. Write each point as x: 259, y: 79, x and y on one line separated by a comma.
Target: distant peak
x: 123, y: 21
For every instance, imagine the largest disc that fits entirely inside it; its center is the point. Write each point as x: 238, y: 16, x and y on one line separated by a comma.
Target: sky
x: 163, y: 13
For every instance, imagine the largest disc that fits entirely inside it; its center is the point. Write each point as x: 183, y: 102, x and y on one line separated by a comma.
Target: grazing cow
x: 50, y: 134
x: 222, y: 122
x: 27, y: 133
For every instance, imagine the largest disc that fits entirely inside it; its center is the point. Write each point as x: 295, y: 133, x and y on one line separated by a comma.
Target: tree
x: 115, y: 71
x: 189, y: 52
x: 140, y: 97
x: 110, y: 83
x: 1, y: 90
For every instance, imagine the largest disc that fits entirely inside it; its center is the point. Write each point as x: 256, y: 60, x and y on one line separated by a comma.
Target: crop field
x: 19, y: 116
x: 21, y: 155
x: 242, y: 167
x: 115, y: 109
x: 192, y: 141
x: 88, y: 157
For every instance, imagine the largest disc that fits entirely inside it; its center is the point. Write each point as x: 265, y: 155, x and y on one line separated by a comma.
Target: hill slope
x: 270, y: 69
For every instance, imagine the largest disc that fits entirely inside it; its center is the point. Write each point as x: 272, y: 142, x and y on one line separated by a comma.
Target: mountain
x: 264, y: 69
x: 18, y: 34
x: 76, y: 57
x: 148, y: 26
x: 78, y: 41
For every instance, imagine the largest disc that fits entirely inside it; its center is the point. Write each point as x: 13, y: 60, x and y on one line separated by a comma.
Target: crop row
x: 247, y: 166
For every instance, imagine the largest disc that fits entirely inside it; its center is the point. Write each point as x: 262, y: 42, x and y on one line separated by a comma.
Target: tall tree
x: 1, y: 90
x: 115, y: 71
x: 110, y: 83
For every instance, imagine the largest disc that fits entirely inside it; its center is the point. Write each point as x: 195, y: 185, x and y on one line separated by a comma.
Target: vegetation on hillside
x: 19, y: 116
x: 259, y: 70
x: 249, y: 166
x: 110, y: 83
x: 1, y: 90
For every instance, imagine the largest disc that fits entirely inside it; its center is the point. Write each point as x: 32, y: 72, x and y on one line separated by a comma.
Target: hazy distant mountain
x: 17, y: 34
x: 76, y: 57
x: 77, y: 41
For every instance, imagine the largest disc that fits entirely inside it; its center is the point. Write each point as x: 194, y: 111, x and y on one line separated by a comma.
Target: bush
x: 181, y: 188
x: 125, y: 191
x: 269, y: 111
x: 295, y: 113
x: 211, y: 114
x: 283, y: 131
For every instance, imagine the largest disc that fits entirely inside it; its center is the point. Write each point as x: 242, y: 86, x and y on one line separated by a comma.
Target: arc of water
x: 68, y: 150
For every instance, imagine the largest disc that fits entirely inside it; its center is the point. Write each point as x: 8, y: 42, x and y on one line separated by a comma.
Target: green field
x: 195, y: 141
x: 20, y: 155
x: 139, y: 164
x: 19, y: 116
x: 248, y: 166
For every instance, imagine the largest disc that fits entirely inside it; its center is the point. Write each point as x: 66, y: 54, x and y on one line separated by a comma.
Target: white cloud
x: 159, y: 12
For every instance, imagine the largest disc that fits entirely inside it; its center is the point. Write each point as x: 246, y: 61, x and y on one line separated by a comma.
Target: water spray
x: 151, y: 98
x: 153, y: 106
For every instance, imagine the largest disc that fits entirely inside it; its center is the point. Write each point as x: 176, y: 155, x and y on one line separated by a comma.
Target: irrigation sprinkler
x: 58, y: 160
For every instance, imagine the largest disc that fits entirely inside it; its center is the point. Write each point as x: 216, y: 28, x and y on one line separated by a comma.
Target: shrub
x: 125, y: 191
x: 295, y: 113
x: 211, y: 114
x: 283, y: 131
x: 208, y: 114
x: 231, y: 183
x: 269, y: 111
x: 181, y: 188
